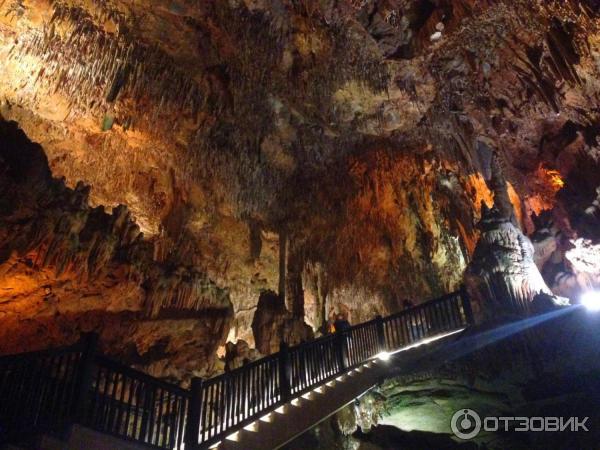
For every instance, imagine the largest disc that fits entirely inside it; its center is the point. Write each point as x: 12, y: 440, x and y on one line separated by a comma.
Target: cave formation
x: 198, y: 181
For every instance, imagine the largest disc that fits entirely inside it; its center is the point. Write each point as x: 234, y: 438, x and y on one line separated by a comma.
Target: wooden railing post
x: 466, y: 304
x: 194, y: 414
x: 85, y: 376
x: 285, y: 387
x: 381, y: 334
x: 342, y: 354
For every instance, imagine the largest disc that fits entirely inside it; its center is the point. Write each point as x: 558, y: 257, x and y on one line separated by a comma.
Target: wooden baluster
x: 284, y: 373
x: 28, y: 400
x: 455, y: 312
x: 169, y: 430
x: 145, y: 412
x: 307, y: 375
x: 315, y: 365
x: 221, y: 407
x: 302, y: 367
x: 121, y: 404
x: 53, y: 388
x: 101, y: 418
x: 205, y: 420
x: 275, y: 382
x: 445, y: 313
x: 194, y: 414
x: 226, y: 402
x: 467, y: 307
x: 213, y: 411
x: 396, y: 333
x: 423, y: 322
x: 130, y: 406
x: 403, y: 328
x: 341, y: 351
x: 246, y: 394
x: 159, y: 417
x: 311, y: 365
x: 437, y: 318
x: 418, y: 328
x: 181, y: 415
x: 261, y: 385
x: 232, y: 388
x: 233, y: 414
x: 83, y: 385
x: 152, y: 413
x: 139, y: 410
x: 319, y: 352
x: 239, y: 403
x: 330, y: 357
x: 257, y: 387
x: 209, y: 404
x: 39, y: 405
x: 62, y: 379
x: 270, y: 377
x: 114, y: 403
x: 95, y: 398
x: 381, y: 342
x: 427, y: 320
x: 252, y: 393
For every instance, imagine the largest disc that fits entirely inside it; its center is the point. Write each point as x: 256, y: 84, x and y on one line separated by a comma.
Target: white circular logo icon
x: 465, y: 424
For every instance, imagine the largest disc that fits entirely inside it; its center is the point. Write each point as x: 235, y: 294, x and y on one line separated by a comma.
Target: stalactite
x: 294, y: 292
x: 69, y: 236
x: 95, y: 67
x: 282, y: 264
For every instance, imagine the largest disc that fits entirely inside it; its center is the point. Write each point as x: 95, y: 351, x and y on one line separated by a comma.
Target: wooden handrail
x: 116, y: 366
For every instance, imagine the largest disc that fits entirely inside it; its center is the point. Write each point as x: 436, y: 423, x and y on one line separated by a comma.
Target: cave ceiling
x: 361, y: 129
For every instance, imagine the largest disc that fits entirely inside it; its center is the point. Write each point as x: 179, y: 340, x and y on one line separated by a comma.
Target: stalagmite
x: 502, y: 275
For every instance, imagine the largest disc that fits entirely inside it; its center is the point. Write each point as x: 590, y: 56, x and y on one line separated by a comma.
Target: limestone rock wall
x: 68, y: 268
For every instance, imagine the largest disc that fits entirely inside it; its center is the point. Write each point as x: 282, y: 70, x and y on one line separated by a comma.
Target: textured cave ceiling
x: 362, y: 131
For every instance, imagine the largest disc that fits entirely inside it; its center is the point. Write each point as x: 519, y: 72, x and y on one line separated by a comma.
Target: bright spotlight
x: 591, y: 300
x: 384, y: 356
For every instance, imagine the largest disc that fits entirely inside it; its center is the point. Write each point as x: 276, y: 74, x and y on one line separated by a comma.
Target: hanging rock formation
x: 273, y: 324
x: 503, y: 277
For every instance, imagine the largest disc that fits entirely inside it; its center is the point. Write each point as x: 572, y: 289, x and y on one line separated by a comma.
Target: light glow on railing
x: 215, y: 445
x: 427, y: 341
x: 384, y: 356
x: 295, y: 402
x: 280, y: 410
